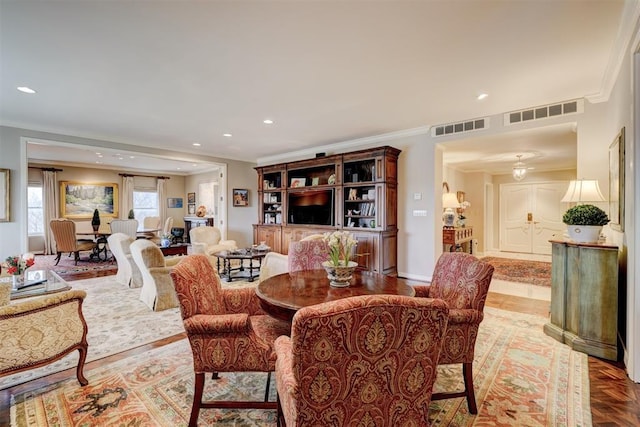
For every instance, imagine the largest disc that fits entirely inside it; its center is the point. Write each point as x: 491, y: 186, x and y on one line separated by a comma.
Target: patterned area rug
x: 522, y: 377
x: 521, y: 271
x: 66, y: 267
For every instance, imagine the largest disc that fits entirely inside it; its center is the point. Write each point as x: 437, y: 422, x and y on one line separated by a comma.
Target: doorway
x: 531, y: 215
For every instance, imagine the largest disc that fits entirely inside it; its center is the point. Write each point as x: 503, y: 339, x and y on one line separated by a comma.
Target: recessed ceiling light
x: 132, y: 157
x: 100, y: 155
x: 482, y: 96
x: 194, y: 164
x: 98, y: 161
x: 267, y: 122
x: 228, y: 135
x: 196, y: 144
x: 178, y: 168
x: 26, y: 89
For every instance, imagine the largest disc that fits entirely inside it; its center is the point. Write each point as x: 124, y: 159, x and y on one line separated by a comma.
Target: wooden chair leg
x: 76, y: 256
x: 80, y: 368
x: 266, y: 392
x: 198, y: 389
x: 280, y: 416
x: 467, y: 371
x: 215, y: 376
x: 58, y: 257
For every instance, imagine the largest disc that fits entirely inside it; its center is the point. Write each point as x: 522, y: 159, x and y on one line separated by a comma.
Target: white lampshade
x: 450, y: 200
x: 583, y: 190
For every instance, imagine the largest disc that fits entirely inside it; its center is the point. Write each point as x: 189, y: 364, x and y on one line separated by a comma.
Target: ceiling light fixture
x: 267, y: 122
x: 519, y: 169
x: 25, y: 89
x: 228, y: 135
x: 196, y: 144
x: 482, y: 96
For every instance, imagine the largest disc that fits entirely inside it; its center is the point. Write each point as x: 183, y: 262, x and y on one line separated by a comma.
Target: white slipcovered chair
x: 128, y: 271
x: 207, y: 240
x: 273, y: 264
x: 126, y: 226
x: 157, y: 288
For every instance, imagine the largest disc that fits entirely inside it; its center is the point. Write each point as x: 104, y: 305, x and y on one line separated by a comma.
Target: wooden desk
x: 456, y: 237
x: 282, y: 295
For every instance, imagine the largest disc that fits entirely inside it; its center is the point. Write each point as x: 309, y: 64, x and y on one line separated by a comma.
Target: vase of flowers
x: 17, y: 265
x: 339, y: 267
x: 165, y: 240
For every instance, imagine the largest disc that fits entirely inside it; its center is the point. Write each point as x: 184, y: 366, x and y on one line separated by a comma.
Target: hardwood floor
x: 615, y: 399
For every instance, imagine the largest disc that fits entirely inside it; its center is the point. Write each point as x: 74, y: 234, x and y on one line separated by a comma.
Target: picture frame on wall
x: 174, y: 202
x: 240, y: 197
x: 191, y: 209
x: 78, y: 200
x: 5, y: 206
x: 616, y: 182
x: 191, y: 198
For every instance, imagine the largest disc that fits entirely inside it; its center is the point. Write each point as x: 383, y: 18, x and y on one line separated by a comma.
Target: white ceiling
x: 173, y: 73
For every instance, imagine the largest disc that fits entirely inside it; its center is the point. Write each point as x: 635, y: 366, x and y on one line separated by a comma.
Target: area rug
x: 67, y: 266
x: 521, y: 271
x: 522, y: 377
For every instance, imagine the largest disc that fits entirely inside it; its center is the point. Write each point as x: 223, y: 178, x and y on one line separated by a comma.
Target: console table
x: 455, y: 237
x: 584, y: 297
x: 195, y: 221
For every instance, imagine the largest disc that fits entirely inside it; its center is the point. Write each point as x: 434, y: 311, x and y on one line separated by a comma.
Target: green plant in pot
x: 131, y: 216
x: 584, y: 223
x: 95, y: 221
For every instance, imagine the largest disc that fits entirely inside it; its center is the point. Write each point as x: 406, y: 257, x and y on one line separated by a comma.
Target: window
x: 145, y: 203
x: 35, y: 211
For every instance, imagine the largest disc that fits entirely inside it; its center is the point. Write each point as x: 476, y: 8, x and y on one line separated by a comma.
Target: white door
x: 531, y: 215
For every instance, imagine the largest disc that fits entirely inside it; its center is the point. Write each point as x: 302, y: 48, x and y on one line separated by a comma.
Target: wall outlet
x: 417, y: 196
x: 419, y: 213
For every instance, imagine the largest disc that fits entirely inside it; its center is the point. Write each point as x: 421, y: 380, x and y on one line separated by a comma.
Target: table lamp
x: 449, y: 203
x: 583, y: 190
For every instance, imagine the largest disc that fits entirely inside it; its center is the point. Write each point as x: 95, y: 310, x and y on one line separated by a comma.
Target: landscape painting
x: 79, y: 200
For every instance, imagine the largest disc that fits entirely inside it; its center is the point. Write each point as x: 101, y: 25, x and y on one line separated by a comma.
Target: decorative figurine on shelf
x: 131, y: 215
x: 95, y: 221
x: 461, y: 222
x: 201, y: 211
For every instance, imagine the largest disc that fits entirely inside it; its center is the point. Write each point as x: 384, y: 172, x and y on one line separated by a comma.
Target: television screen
x: 311, y: 207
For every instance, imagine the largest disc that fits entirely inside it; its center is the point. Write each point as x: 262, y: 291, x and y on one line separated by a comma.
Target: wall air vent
x: 544, y: 112
x: 460, y: 127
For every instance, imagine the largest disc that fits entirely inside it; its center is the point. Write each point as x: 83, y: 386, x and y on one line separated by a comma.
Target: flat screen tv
x: 314, y: 207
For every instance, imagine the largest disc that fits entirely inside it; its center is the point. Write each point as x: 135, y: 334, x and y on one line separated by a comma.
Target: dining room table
x: 282, y: 295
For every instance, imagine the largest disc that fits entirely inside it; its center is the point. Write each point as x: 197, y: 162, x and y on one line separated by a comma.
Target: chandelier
x: 519, y: 169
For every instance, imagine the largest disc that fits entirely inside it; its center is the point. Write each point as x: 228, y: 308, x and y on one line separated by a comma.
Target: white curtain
x: 161, y: 188
x: 127, y: 196
x: 50, y: 208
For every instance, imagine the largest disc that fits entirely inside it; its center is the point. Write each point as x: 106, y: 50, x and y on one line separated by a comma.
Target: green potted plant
x: 95, y: 221
x: 584, y: 223
x: 131, y: 216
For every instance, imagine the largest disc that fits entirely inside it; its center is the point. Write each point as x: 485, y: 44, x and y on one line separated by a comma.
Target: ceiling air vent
x: 460, y: 127
x: 544, y: 112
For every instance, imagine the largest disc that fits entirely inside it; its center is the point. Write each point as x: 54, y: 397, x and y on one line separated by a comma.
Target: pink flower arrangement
x: 18, y: 264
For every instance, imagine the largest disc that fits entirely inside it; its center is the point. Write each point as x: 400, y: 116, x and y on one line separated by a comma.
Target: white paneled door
x: 531, y: 215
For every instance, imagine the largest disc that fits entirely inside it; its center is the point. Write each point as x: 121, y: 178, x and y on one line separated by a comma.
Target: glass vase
x: 17, y: 281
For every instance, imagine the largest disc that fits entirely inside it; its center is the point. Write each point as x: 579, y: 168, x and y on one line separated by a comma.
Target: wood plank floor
x: 615, y: 399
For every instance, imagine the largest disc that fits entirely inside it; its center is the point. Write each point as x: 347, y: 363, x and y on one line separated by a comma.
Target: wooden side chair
x: 227, y: 330
x: 64, y: 233
x: 462, y: 281
x: 366, y: 360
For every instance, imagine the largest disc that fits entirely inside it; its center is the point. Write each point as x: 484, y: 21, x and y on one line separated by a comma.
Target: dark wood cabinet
x: 354, y: 191
x: 195, y: 221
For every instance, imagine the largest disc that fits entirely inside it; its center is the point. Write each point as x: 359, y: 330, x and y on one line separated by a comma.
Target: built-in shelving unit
x: 355, y: 191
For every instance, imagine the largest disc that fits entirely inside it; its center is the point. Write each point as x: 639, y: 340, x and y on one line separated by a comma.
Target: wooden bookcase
x: 354, y: 191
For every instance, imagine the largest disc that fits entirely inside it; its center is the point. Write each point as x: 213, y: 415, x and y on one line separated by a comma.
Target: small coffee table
x: 38, y: 282
x: 177, y: 249
x: 248, y: 272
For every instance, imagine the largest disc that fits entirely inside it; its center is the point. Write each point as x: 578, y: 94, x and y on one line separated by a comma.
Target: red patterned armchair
x: 463, y: 282
x: 307, y: 254
x: 367, y: 360
x: 227, y: 330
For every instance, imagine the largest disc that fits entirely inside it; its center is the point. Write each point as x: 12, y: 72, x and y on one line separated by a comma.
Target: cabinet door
x: 366, y: 250
x: 270, y: 236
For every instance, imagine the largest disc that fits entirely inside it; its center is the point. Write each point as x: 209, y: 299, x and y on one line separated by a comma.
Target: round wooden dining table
x: 283, y: 295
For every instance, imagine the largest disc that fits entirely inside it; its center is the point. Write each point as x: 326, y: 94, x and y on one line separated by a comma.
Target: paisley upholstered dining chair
x: 307, y: 254
x: 227, y: 330
x: 462, y: 281
x: 365, y: 360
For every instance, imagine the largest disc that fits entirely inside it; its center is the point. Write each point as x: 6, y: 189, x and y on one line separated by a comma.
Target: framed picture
x: 79, y: 200
x: 315, y: 181
x: 191, y: 198
x: 174, y: 202
x: 5, y: 206
x: 298, y: 182
x: 191, y: 209
x: 616, y: 182
x: 240, y: 197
